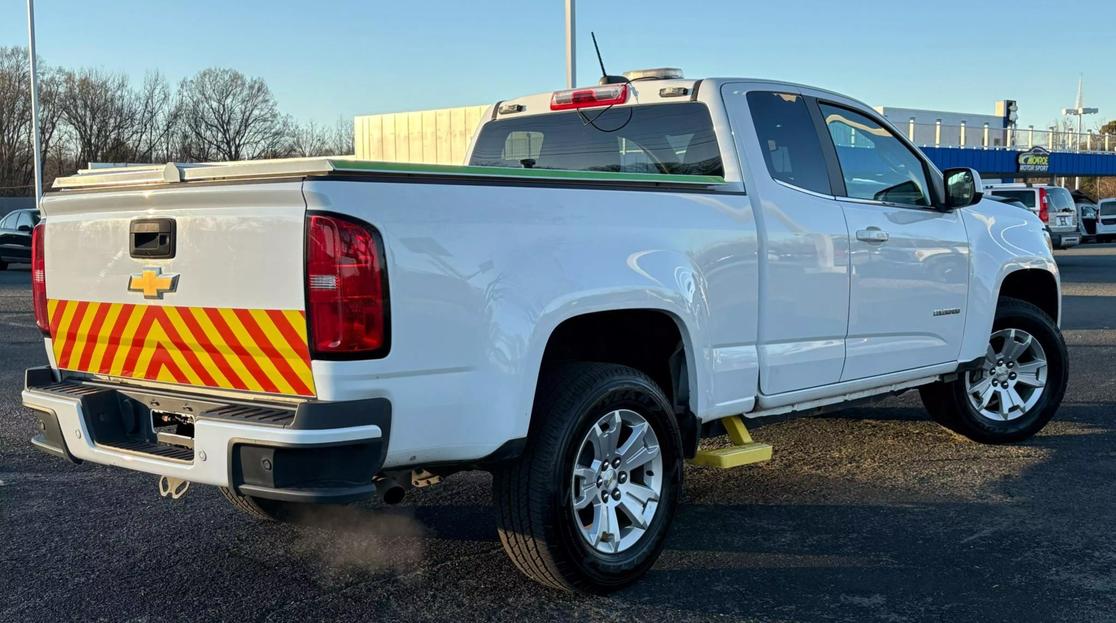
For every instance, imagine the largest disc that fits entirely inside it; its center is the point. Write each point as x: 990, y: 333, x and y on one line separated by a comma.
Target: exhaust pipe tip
x: 391, y: 492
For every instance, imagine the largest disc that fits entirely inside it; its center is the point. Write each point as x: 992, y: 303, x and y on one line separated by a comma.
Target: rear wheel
x: 587, y: 507
x: 1015, y: 389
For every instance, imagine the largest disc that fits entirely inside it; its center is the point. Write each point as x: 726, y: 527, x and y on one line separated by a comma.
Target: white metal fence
x: 987, y: 137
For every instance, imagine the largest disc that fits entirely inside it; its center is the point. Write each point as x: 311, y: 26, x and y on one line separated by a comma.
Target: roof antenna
x: 605, y: 78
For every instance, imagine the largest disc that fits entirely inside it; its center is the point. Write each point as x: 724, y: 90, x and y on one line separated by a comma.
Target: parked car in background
x: 1086, y: 221
x: 1106, y: 220
x: 1053, y: 205
x: 15, y: 237
x: 1008, y: 200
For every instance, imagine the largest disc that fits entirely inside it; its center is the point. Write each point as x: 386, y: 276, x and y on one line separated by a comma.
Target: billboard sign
x: 1034, y: 160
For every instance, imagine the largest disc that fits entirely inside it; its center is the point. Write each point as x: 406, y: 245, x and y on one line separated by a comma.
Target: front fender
x: 1003, y: 239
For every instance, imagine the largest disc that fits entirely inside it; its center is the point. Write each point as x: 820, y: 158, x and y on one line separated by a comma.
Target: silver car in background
x: 1053, y: 204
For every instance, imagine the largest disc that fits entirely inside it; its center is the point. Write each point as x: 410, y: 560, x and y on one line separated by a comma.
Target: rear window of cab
x: 676, y: 139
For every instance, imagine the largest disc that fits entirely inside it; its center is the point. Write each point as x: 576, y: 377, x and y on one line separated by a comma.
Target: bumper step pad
x: 743, y: 451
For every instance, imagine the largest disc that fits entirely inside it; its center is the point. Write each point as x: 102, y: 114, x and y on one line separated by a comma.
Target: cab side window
x: 789, y: 140
x: 875, y: 164
x: 9, y: 221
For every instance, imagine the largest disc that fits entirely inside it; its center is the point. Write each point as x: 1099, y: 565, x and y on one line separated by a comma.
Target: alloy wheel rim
x: 1012, y: 377
x: 617, y: 481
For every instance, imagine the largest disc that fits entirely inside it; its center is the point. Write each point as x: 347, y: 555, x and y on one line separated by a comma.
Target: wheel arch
x: 651, y: 340
x: 1036, y: 286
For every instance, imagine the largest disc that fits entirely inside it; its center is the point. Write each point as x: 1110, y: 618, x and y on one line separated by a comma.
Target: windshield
x: 660, y: 138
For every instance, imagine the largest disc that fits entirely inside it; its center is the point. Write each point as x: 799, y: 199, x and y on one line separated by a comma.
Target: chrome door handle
x: 872, y: 234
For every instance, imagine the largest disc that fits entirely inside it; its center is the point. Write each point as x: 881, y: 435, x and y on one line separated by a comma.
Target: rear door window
x: 9, y: 221
x: 656, y: 138
x: 1060, y: 199
x: 789, y: 140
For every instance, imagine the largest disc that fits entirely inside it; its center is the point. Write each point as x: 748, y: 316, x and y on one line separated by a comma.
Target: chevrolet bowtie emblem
x: 153, y: 283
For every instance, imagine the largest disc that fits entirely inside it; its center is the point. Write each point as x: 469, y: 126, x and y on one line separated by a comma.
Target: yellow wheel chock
x: 743, y: 450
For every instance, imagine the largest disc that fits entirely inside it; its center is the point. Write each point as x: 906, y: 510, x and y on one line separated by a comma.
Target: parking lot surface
x: 874, y: 513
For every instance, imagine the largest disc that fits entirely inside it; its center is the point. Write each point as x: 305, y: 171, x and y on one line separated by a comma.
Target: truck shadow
x: 1024, y: 546
x: 957, y: 537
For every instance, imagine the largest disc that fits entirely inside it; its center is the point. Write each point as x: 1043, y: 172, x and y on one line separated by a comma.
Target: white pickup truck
x: 619, y: 272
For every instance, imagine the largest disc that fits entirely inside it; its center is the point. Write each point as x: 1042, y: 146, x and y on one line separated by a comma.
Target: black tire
x: 536, y: 523
x: 949, y: 405
x: 263, y: 509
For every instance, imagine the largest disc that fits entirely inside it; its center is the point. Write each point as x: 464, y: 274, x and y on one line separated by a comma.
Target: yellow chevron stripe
x: 215, y: 338
x: 300, y: 367
x: 82, y: 337
x: 194, y: 342
x: 102, y: 340
x: 204, y: 345
x: 63, y: 327
x: 262, y: 360
x: 127, y: 338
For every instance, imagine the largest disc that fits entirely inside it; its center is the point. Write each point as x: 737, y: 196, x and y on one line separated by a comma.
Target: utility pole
x: 571, y: 45
x: 36, y: 147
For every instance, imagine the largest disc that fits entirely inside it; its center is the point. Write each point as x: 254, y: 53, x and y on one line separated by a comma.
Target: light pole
x: 1079, y: 111
x: 571, y: 45
x: 36, y: 147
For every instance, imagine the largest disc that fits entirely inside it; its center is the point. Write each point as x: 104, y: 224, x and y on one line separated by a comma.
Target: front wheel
x: 1015, y: 389
x: 587, y: 507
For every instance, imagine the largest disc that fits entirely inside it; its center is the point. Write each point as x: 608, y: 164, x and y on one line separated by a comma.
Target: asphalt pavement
x: 874, y: 513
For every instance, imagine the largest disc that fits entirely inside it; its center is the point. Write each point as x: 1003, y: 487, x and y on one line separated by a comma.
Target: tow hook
x: 173, y: 488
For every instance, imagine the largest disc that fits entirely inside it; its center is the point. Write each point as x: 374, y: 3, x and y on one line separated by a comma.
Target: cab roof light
x: 508, y: 109
x: 658, y: 73
x: 589, y: 97
x: 673, y: 92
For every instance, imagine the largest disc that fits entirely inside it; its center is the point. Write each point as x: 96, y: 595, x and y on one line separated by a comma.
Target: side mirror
x: 963, y: 187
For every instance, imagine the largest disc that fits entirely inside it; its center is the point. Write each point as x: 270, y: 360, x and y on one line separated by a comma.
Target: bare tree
x: 310, y: 140
x: 316, y: 140
x: 101, y: 111
x: 16, y: 155
x: 342, y: 137
x: 154, y: 121
x: 226, y: 115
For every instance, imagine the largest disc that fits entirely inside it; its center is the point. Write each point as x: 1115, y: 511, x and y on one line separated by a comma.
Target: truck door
x: 804, y: 243
x: 910, y: 261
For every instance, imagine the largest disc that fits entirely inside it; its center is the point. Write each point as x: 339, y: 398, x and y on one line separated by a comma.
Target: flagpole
x: 571, y: 45
x: 36, y: 146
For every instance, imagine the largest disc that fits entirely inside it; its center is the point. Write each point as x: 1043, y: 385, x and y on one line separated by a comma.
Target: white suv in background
x: 1054, y: 205
x: 1106, y: 220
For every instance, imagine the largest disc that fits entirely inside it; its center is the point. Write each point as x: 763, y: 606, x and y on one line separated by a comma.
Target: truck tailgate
x: 225, y: 312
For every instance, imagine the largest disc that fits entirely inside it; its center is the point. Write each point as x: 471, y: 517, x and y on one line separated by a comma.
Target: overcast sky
x: 342, y: 58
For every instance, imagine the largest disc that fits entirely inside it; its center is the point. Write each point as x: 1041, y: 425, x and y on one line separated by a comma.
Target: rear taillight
x: 346, y: 290
x: 608, y: 95
x: 38, y: 277
x: 1044, y: 206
